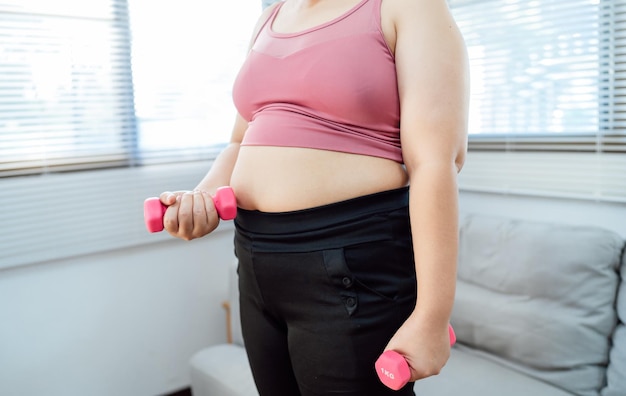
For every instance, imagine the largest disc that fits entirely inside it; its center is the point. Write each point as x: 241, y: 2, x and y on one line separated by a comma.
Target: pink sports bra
x: 330, y: 87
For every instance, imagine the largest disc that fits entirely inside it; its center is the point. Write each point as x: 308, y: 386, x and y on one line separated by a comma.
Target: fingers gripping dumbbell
x: 393, y: 370
x: 224, y: 201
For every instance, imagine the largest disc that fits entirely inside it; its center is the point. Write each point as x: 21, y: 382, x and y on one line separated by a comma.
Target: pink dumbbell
x: 393, y: 370
x: 224, y: 201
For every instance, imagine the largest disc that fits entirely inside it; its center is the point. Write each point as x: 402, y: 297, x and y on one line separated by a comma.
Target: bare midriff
x: 282, y: 179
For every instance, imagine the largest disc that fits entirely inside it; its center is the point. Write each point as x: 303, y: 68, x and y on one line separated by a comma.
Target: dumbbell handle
x: 393, y: 370
x: 224, y: 201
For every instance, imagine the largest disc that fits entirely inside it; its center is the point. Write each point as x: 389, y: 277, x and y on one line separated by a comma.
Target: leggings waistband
x: 333, y: 225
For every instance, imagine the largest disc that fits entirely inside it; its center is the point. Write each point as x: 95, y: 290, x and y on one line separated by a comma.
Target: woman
x: 351, y: 120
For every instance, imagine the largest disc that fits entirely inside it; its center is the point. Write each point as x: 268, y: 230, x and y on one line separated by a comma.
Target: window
x: 65, y: 87
x: 90, y: 91
x: 75, y: 94
x: 532, y: 71
x: 106, y: 86
x: 547, y: 114
x: 185, y: 58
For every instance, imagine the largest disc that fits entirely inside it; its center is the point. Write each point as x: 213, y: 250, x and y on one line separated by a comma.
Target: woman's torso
x: 278, y: 179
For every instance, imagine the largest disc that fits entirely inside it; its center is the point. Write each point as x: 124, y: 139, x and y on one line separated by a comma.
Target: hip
x: 360, y: 249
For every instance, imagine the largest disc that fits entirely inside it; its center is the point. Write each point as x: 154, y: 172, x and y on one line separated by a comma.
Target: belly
x: 280, y: 179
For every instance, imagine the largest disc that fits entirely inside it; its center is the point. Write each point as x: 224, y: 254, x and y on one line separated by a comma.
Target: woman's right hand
x: 189, y: 214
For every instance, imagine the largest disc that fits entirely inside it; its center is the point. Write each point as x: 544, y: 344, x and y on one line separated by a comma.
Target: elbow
x: 461, y: 152
x: 459, y: 161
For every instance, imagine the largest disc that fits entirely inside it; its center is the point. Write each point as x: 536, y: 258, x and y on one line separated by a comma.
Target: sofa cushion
x: 616, y: 372
x: 469, y: 372
x: 540, y: 296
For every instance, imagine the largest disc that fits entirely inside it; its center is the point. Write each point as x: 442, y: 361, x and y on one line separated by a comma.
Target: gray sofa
x: 540, y: 311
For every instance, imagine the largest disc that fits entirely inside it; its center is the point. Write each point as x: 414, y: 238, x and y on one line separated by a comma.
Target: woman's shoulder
x: 426, y: 21
x: 407, y: 11
x: 262, y: 20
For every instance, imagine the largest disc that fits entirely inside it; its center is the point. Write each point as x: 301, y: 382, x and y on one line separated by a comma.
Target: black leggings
x: 322, y: 291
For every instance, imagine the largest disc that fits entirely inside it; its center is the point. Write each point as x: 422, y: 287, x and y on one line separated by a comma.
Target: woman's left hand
x: 423, y: 344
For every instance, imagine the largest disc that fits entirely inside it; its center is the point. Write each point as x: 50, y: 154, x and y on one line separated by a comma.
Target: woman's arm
x: 191, y: 214
x: 433, y: 81
x: 222, y: 168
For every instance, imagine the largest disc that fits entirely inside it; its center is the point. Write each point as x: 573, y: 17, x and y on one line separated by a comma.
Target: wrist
x: 431, y: 316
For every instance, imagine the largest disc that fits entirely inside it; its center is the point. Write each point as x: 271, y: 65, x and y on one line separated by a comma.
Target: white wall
x: 123, y: 323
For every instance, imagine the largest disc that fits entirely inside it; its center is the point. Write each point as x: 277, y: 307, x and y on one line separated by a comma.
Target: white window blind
x: 65, y: 86
x: 104, y: 103
x: 109, y: 83
x: 547, y: 113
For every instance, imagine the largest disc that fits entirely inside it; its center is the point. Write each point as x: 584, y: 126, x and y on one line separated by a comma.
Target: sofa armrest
x: 222, y: 370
